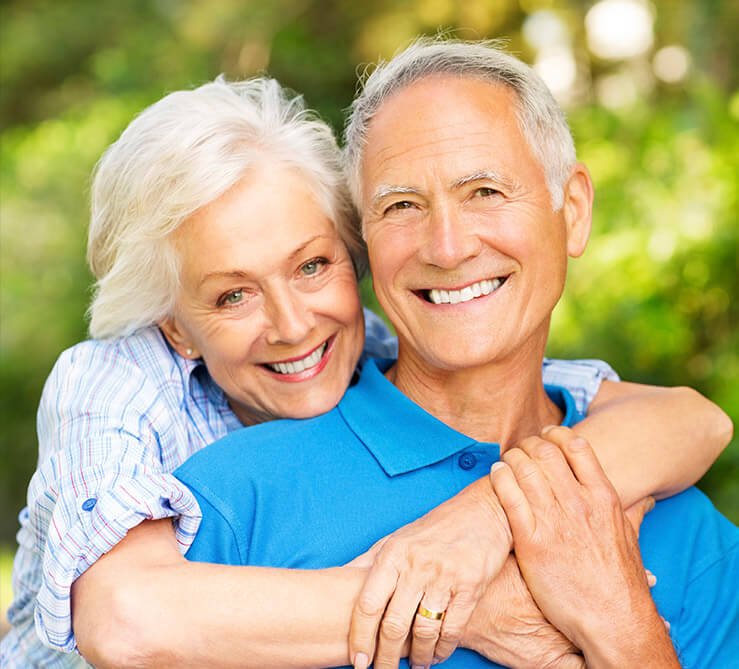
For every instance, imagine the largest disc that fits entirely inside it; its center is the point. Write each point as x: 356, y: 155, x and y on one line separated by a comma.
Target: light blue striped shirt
x: 116, y: 418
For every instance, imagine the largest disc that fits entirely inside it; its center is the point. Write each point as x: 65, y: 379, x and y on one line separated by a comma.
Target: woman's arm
x: 144, y: 605
x: 651, y: 440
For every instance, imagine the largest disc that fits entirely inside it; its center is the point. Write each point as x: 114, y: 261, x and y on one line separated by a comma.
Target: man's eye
x: 312, y: 266
x: 402, y: 204
x: 234, y: 297
x: 485, y: 192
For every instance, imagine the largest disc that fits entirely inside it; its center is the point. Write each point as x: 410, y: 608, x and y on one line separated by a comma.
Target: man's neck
x: 502, y: 402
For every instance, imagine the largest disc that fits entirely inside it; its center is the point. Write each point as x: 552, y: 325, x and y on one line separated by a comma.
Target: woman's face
x: 268, y: 298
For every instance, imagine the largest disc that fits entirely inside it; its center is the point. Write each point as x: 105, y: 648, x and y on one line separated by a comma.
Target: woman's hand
x: 578, y: 553
x: 444, y: 561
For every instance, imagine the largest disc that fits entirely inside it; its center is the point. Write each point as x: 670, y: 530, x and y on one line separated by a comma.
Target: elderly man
x: 471, y: 199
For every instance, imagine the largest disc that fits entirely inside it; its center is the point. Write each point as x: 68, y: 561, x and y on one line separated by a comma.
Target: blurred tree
x: 655, y: 294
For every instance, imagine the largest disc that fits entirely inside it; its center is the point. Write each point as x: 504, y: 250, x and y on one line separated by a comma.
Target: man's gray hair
x: 542, y: 121
x: 178, y: 155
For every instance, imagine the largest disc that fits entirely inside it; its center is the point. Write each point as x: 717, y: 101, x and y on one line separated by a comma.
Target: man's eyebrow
x: 385, y: 190
x: 485, y: 175
x: 240, y: 274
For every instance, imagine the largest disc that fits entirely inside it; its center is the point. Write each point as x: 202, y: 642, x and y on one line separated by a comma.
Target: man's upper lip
x: 297, y: 357
x: 460, y: 286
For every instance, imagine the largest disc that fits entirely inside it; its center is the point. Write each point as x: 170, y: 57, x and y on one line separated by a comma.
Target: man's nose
x: 449, y: 240
x: 290, y: 317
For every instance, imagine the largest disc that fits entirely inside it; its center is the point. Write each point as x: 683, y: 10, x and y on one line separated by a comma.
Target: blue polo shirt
x: 316, y: 493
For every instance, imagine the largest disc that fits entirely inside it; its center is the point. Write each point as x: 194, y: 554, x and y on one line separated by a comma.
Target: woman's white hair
x: 542, y: 121
x: 178, y: 155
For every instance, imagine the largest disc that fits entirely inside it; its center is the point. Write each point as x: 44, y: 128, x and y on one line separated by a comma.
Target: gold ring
x: 428, y: 613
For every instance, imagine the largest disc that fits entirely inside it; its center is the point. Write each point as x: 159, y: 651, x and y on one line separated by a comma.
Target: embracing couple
x: 446, y: 495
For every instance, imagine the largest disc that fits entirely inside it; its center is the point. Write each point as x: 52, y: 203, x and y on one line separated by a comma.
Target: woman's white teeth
x: 299, y: 365
x: 466, y: 294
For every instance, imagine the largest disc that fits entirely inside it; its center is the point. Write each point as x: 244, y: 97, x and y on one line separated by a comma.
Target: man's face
x: 467, y: 256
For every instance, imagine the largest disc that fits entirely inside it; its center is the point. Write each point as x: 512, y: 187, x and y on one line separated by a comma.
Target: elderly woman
x: 226, y: 296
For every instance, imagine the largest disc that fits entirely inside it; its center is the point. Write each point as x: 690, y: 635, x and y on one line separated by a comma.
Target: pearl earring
x: 189, y: 351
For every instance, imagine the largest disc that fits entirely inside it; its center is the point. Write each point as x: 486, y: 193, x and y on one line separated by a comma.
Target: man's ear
x: 178, y: 338
x: 578, y: 209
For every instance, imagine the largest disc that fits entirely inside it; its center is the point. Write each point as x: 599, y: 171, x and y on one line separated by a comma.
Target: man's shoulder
x: 693, y: 551
x: 682, y: 539
x: 691, y: 522
x: 285, y: 442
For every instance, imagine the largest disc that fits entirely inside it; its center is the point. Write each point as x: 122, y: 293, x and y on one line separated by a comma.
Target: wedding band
x: 428, y: 613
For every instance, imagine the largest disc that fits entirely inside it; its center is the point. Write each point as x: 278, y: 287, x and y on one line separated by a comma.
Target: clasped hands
x: 550, y: 501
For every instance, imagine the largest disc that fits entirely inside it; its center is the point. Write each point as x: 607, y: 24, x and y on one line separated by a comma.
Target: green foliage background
x: 655, y: 295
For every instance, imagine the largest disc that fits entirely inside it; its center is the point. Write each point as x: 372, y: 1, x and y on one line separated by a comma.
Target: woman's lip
x: 298, y: 357
x: 306, y: 374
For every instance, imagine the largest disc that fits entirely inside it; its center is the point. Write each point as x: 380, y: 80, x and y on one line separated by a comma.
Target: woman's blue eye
x: 234, y: 297
x: 311, y: 267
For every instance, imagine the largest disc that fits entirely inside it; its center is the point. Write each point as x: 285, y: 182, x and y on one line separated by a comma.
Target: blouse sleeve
x: 101, y: 424
x: 581, y: 377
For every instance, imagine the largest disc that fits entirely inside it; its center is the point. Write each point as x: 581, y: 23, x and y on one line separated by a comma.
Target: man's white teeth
x: 297, y: 366
x: 467, y: 293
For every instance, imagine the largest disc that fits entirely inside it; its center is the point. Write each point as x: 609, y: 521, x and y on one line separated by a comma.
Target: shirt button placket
x: 467, y: 461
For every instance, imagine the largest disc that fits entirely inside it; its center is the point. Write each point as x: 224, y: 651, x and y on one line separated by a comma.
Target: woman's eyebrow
x: 241, y: 274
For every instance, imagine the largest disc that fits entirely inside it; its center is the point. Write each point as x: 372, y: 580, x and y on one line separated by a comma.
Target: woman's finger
x: 636, y: 512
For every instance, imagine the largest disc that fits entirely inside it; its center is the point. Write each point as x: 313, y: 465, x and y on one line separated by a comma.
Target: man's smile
x: 465, y: 294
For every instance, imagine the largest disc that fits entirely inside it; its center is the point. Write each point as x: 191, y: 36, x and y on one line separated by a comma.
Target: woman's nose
x: 291, y: 318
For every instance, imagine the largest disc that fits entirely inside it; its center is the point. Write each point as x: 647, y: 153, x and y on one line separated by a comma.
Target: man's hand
x: 508, y: 628
x: 578, y: 553
x: 443, y: 561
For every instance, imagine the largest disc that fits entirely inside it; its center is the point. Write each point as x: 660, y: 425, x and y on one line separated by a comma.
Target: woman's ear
x: 178, y: 338
x: 578, y: 209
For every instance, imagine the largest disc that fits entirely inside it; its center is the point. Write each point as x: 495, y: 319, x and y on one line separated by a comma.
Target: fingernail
x: 546, y: 429
x: 361, y: 661
x: 651, y: 579
x: 496, y: 466
x: 649, y: 505
x: 667, y: 625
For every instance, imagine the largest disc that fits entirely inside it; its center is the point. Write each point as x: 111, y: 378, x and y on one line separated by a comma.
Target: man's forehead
x: 454, y: 127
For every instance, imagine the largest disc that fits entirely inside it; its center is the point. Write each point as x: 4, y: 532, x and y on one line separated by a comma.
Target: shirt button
x: 89, y: 504
x: 467, y: 461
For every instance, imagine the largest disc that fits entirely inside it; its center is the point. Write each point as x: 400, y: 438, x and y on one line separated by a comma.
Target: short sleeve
x: 708, y: 629
x: 581, y: 377
x: 215, y: 540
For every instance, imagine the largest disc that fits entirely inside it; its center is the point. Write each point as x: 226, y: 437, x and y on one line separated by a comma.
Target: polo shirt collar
x: 400, y: 434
